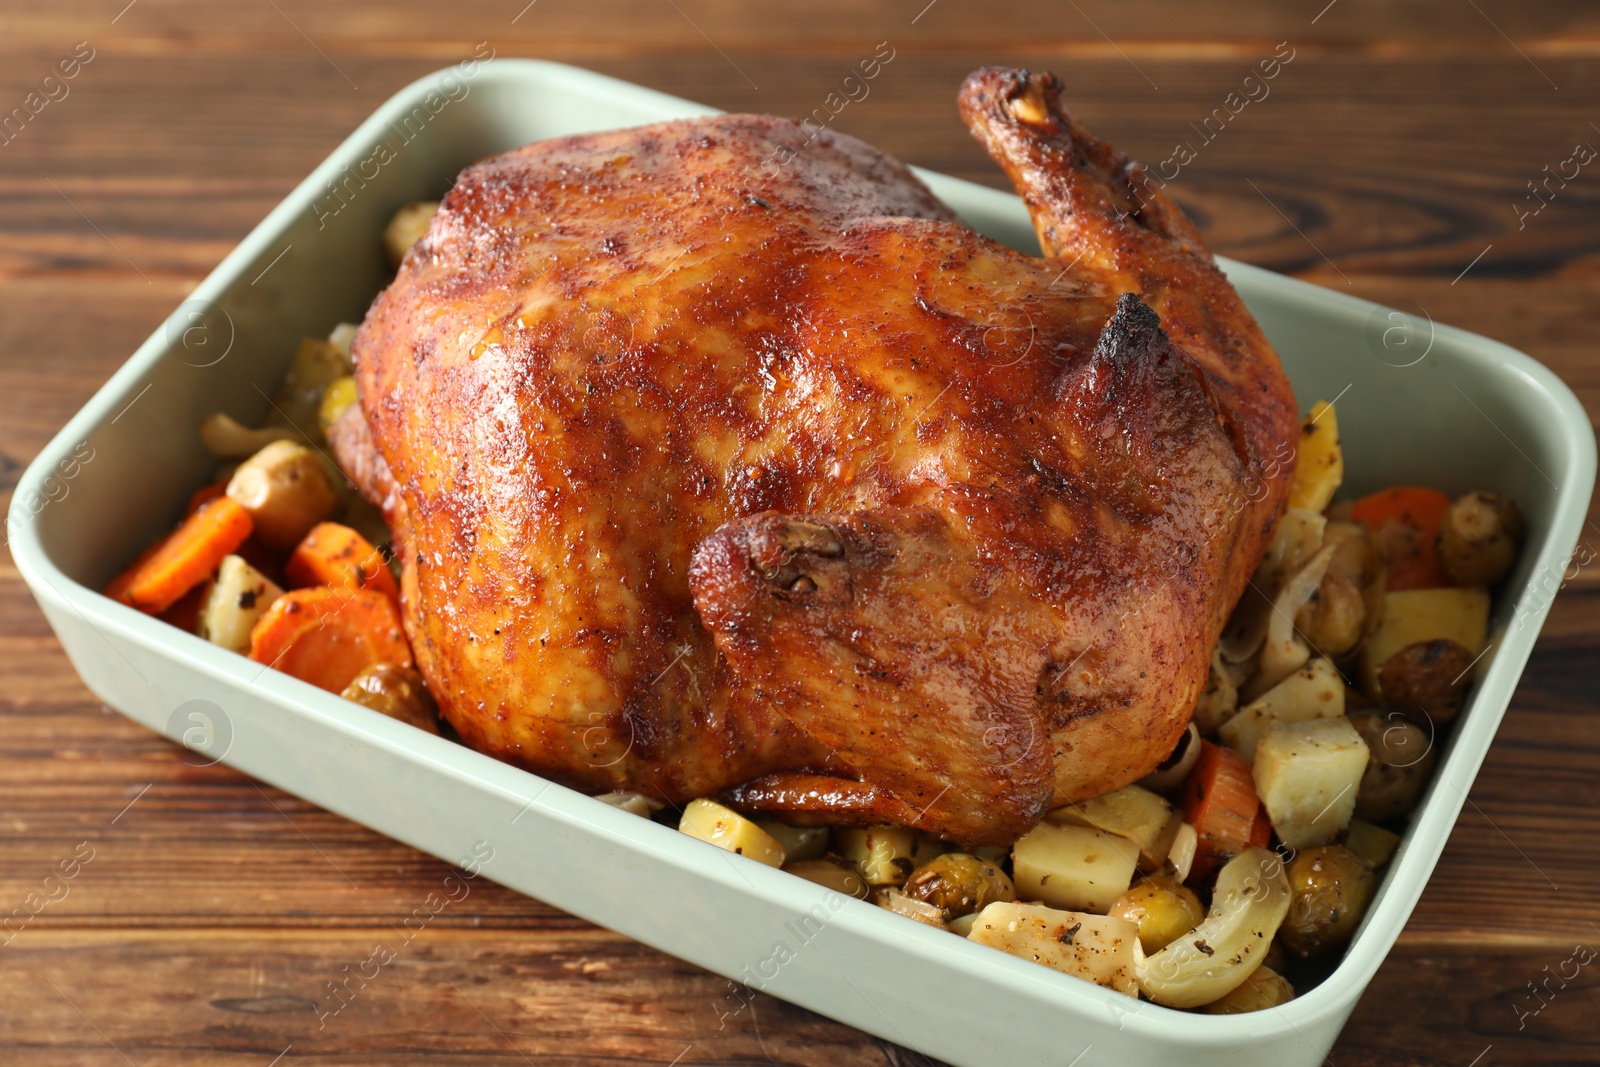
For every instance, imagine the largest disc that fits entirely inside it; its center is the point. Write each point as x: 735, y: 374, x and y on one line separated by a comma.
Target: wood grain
x: 214, y: 912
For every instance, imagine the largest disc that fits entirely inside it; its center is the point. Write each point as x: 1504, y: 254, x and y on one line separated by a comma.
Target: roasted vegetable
x: 183, y: 559
x: 894, y: 900
x: 959, y: 884
x: 1284, y: 651
x: 286, y: 492
x: 727, y: 829
x: 396, y: 691
x: 1373, y: 844
x: 1478, y: 539
x: 1213, y: 959
x: 1162, y: 908
x: 226, y: 437
x: 1415, y: 616
x: 1404, y: 523
x: 328, y: 636
x: 340, y: 394
x: 835, y: 876
x: 335, y: 555
x: 1315, y: 691
x: 1170, y: 775
x: 1265, y: 988
x: 1319, y: 463
x: 1307, y: 774
x: 1220, y: 699
x: 237, y: 598
x: 1401, y: 764
x: 1333, y: 620
x: 316, y: 366
x: 1095, y: 947
x: 883, y: 855
x: 1220, y: 802
x: 632, y: 803
x: 1132, y: 812
x: 800, y: 843
x: 1430, y: 677
x: 1180, y: 861
x: 406, y: 229
x: 1077, y: 868
x: 1330, y: 889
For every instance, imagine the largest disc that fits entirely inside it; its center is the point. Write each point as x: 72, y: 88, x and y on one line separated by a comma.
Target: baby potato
x: 959, y: 884
x: 1478, y: 538
x: 397, y: 692
x: 406, y: 229
x: 1429, y: 676
x: 1163, y: 909
x: 286, y: 490
x: 1401, y: 763
x: 1330, y: 888
x: 1265, y: 988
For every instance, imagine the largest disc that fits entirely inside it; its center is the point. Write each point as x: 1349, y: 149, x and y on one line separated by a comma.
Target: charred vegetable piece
x: 1330, y: 889
x: 1430, y: 677
x: 959, y: 884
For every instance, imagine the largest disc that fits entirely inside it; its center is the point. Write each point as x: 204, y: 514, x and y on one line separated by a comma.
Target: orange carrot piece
x: 1260, y: 830
x: 335, y: 555
x: 1220, y: 802
x: 187, y: 557
x: 205, y: 495
x: 185, y: 614
x: 328, y: 636
x: 1404, y: 522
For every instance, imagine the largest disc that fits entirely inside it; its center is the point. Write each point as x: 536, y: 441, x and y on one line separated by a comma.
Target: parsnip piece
x: 1073, y: 867
x: 1307, y: 774
x: 285, y: 489
x: 1315, y: 691
x: 1459, y: 614
x: 1132, y: 812
x: 228, y: 438
x: 726, y: 828
x: 237, y: 599
x: 883, y: 855
x: 1093, y: 947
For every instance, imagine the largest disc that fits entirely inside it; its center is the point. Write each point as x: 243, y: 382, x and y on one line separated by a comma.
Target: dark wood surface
x: 1389, y: 154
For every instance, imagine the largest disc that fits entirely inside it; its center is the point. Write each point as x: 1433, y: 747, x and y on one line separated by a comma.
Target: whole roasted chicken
x: 726, y: 463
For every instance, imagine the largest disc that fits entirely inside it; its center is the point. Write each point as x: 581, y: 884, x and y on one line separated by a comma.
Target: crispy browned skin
x: 724, y: 476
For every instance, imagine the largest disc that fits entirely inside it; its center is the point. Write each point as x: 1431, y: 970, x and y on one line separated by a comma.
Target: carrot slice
x: 187, y: 557
x: 335, y: 555
x: 1220, y: 802
x: 1261, y: 830
x: 185, y: 614
x: 328, y: 636
x: 1404, y: 522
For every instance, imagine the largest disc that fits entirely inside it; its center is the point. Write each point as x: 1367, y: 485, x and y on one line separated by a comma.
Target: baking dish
x: 1418, y: 402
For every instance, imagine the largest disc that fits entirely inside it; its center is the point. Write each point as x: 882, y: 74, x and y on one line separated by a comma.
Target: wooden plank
x: 179, y: 25
x: 1322, y: 176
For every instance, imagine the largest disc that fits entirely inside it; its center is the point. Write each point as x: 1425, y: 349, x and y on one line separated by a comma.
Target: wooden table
x: 1390, y: 160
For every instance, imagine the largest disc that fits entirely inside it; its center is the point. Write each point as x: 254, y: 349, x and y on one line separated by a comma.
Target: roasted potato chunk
x: 406, y: 229
x: 1478, y: 539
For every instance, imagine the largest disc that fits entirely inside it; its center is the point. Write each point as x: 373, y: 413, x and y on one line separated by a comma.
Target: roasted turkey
x: 724, y: 462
